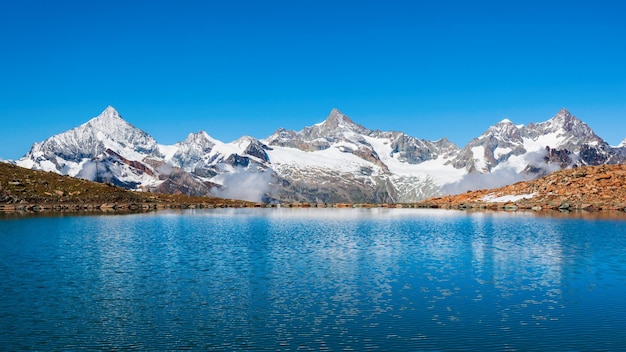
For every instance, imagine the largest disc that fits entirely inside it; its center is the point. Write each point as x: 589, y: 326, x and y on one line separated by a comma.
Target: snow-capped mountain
x: 102, y: 149
x: 508, y: 153
x: 109, y: 149
x: 336, y: 160
x: 564, y: 139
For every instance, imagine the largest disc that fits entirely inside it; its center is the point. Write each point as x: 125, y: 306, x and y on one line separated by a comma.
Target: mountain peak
x: 566, y: 121
x: 563, y: 116
x: 564, y: 111
x: 200, y: 137
x: 503, y: 130
x: 109, y: 114
x: 110, y: 122
x: 336, y: 120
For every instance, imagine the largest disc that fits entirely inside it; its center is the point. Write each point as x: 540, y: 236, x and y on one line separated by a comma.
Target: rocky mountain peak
x: 445, y: 143
x: 563, y: 119
x: 563, y: 115
x: 336, y: 120
x: 504, y: 130
x: 199, y: 138
x: 565, y: 123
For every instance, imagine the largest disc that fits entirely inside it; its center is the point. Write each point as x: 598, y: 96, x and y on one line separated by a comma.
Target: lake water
x: 313, y: 279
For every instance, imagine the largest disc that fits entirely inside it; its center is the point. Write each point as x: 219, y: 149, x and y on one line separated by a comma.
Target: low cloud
x: 475, y: 181
x: 500, y: 177
x: 245, y: 184
x: 165, y: 169
x: 95, y: 171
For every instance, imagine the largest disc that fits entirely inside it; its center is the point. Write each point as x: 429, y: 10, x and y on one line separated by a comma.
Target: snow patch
x: 331, y: 158
x: 479, y: 158
x: 499, y: 151
x: 491, y: 198
x: 168, y: 151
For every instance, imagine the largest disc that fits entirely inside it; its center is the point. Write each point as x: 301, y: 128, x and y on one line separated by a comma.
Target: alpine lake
x: 313, y: 279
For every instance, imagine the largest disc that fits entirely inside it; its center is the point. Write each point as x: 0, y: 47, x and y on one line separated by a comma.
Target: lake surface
x: 313, y: 279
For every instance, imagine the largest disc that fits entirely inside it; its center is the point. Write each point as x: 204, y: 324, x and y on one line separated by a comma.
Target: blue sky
x: 430, y: 69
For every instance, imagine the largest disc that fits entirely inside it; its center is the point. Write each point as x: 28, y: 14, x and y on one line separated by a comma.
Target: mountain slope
x: 598, y: 187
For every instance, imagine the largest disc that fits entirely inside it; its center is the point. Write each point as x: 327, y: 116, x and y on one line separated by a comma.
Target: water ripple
x: 307, y: 280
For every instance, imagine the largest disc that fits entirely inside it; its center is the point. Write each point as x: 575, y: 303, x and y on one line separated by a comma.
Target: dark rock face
x: 238, y: 160
x: 560, y: 157
x: 205, y: 172
x: 338, y: 190
x: 410, y: 151
x: 591, y: 155
x: 257, y: 149
x: 142, y: 168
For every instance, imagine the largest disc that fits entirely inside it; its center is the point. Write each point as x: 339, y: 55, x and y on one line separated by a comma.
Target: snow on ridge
x: 331, y: 158
x: 237, y: 146
x: 168, y: 151
x: 553, y: 140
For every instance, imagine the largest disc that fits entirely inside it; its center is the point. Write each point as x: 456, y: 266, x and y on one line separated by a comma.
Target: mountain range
x: 336, y: 160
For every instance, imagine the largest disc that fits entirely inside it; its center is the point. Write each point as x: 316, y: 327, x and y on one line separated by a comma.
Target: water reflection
x: 313, y: 279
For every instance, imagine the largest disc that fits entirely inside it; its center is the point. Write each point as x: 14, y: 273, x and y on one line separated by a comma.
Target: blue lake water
x: 313, y: 279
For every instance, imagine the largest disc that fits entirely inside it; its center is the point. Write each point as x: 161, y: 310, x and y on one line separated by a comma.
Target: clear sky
x: 427, y: 68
